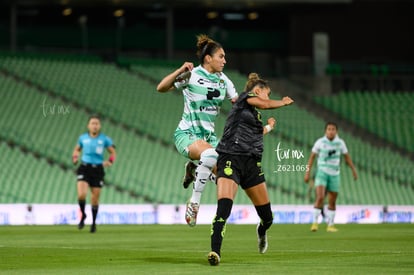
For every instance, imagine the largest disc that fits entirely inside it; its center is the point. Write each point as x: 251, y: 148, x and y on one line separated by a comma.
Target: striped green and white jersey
x: 203, y: 94
x: 329, y: 154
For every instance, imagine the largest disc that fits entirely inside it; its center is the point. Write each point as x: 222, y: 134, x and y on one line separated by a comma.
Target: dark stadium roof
x: 176, y: 3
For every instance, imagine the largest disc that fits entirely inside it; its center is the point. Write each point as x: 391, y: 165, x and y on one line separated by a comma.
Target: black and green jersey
x: 243, y: 133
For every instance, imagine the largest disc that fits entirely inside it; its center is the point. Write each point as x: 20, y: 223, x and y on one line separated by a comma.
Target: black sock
x: 266, y: 218
x: 82, y: 204
x: 218, y: 226
x: 94, y: 213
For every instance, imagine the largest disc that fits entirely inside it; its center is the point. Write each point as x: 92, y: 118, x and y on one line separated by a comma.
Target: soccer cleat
x: 82, y: 222
x: 189, y: 174
x: 191, y: 213
x: 314, y: 227
x: 331, y: 228
x: 93, y: 228
x: 213, y: 258
x: 182, y: 79
x: 261, y: 241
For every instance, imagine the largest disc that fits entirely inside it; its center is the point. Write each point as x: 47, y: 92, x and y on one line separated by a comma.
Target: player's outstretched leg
x: 208, y: 160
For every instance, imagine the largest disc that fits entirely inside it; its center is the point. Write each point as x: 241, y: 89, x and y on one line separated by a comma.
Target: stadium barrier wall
x: 64, y: 214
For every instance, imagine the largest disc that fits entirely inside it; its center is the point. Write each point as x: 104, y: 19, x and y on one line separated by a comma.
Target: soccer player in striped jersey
x: 204, y: 88
x: 329, y: 149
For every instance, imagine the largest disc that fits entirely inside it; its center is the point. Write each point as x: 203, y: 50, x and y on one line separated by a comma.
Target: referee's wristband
x: 268, y: 128
x: 111, y: 159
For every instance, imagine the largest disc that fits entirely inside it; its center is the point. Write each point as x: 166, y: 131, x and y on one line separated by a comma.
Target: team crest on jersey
x: 222, y: 84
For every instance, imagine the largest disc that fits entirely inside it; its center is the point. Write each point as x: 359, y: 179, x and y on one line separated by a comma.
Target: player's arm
x: 76, y: 153
x: 271, y: 123
x: 269, y: 103
x: 309, y: 166
x: 231, y: 91
x: 234, y: 99
x: 112, y: 156
x: 349, y: 162
x: 167, y: 83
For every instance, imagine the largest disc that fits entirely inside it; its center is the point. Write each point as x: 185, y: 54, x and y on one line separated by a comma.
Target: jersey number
x: 212, y: 93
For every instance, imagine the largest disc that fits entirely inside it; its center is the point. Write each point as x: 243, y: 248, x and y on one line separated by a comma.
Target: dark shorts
x: 92, y: 174
x: 246, y: 171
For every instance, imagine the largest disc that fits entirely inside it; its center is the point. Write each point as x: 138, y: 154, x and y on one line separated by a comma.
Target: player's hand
x: 75, y: 159
x: 354, y: 173
x: 107, y: 163
x: 306, y: 178
x: 272, y: 122
x: 186, y: 67
x: 287, y: 100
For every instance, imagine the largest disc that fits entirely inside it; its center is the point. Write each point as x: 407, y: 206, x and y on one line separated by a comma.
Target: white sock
x: 331, y: 217
x: 208, y: 159
x: 202, y: 175
x: 316, y: 213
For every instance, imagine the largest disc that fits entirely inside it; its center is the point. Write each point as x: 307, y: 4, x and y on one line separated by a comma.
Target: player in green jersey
x: 329, y: 149
x: 204, y: 89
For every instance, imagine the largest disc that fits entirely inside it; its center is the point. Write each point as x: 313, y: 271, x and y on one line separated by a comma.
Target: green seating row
x: 148, y: 170
x: 106, y: 89
x: 386, y: 114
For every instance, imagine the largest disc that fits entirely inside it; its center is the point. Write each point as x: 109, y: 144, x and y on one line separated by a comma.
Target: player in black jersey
x: 239, y: 163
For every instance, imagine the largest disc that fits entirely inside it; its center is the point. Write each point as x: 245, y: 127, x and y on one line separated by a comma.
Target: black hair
x: 331, y: 123
x: 94, y: 117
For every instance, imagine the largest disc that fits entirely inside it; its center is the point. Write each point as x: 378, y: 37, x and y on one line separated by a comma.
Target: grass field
x: 178, y: 249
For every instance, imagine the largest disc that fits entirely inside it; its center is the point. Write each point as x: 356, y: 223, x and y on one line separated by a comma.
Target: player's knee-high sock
x: 331, y: 217
x: 208, y: 160
x: 218, y: 226
x: 266, y: 218
x: 316, y: 213
x: 94, y: 213
x: 82, y: 204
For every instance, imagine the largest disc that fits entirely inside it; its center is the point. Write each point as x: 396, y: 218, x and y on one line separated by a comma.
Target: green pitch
x: 178, y: 249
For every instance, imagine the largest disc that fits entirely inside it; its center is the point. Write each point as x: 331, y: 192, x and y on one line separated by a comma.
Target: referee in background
x: 90, y: 172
